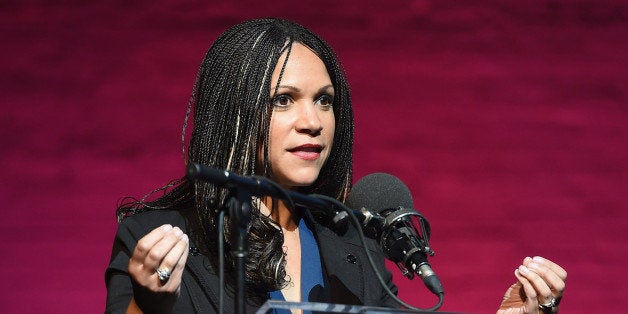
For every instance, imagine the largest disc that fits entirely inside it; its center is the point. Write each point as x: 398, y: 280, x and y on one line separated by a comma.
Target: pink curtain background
x: 507, y: 120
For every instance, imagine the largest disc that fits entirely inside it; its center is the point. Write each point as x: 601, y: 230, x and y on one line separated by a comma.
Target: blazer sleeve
x: 130, y: 230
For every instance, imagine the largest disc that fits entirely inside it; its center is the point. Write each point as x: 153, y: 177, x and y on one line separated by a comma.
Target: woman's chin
x: 297, y: 183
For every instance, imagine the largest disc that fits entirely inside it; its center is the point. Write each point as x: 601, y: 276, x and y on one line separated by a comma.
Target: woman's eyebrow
x: 325, y: 88
x: 290, y: 87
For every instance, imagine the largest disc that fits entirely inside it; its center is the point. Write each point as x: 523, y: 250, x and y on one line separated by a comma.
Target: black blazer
x: 348, y: 276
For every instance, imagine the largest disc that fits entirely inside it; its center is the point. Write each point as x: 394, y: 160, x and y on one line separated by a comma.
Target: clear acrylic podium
x: 331, y: 308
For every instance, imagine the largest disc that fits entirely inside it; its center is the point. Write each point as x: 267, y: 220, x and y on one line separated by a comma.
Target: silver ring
x: 163, y: 274
x: 547, y: 307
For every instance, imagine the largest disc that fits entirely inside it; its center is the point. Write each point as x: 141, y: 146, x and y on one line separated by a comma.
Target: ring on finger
x: 547, y: 307
x: 163, y: 274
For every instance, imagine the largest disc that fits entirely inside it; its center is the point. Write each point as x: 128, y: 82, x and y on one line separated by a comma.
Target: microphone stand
x: 240, y: 213
x: 400, y: 246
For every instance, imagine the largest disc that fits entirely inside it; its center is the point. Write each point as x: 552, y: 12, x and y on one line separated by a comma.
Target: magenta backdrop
x: 508, y: 121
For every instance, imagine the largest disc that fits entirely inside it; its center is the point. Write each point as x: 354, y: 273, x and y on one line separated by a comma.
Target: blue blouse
x: 311, y: 269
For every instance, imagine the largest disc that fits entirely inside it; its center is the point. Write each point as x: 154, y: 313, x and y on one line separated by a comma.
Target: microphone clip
x: 405, y: 239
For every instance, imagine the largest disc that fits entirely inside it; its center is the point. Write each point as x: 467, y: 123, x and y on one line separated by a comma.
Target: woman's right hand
x: 166, y: 249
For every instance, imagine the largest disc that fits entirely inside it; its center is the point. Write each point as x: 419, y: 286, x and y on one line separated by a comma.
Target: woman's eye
x: 326, y: 101
x: 281, y: 101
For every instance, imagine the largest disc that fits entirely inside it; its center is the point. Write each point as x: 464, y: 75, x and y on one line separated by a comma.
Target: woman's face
x: 302, y: 124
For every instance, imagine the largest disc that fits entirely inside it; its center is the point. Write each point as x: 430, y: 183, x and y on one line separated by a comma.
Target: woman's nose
x: 308, y: 120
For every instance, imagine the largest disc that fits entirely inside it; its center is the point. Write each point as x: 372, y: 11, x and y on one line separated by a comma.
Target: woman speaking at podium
x: 270, y: 99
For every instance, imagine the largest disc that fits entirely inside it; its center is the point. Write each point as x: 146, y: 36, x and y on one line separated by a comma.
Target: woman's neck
x: 280, y: 213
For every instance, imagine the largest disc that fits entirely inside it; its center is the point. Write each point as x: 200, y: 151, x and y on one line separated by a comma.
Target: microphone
x: 391, y: 224
x: 401, y: 240
x: 261, y: 186
x: 258, y: 186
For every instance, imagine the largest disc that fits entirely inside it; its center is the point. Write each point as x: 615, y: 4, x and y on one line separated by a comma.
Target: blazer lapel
x: 201, y: 277
x: 203, y: 284
x: 207, y: 291
x: 344, y: 261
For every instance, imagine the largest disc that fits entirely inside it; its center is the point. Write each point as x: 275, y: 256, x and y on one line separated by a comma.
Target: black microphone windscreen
x: 379, y: 191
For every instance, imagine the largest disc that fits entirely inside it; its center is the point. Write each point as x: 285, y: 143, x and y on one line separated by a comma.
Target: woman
x: 270, y: 99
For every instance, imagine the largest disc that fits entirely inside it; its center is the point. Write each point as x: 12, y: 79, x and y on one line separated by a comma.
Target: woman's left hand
x: 540, y: 287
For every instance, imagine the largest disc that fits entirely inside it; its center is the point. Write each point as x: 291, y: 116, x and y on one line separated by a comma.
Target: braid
x: 231, y: 110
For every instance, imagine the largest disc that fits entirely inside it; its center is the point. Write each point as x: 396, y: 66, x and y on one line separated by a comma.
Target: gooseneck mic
x: 402, y: 241
x: 260, y: 187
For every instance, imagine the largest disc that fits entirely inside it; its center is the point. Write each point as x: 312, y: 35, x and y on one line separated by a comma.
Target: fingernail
x: 167, y: 227
x: 527, y: 259
x: 533, y: 265
x: 177, y: 231
x: 185, y: 238
x: 538, y: 259
x: 523, y: 269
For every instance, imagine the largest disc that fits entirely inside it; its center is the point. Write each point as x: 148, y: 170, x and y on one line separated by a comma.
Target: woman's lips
x: 307, y: 151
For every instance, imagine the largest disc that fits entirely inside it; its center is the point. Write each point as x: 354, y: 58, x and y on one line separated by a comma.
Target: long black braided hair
x: 231, y: 116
